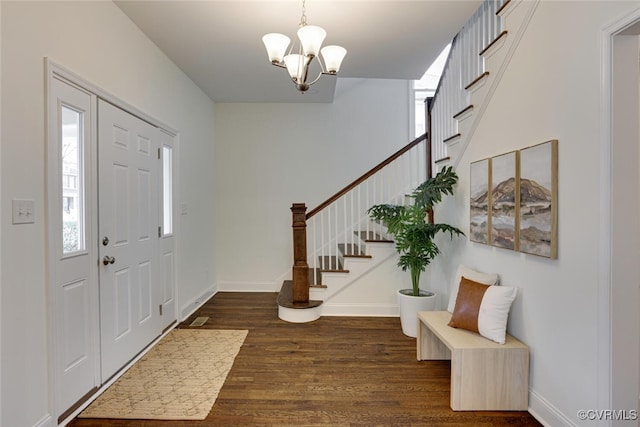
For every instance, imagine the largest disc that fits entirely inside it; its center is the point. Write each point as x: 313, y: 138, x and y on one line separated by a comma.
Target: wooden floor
x: 336, y: 371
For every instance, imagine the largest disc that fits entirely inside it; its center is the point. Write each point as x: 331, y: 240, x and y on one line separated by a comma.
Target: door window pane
x: 73, y: 233
x: 167, y: 189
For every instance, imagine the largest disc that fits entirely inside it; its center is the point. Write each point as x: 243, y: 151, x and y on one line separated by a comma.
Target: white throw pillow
x: 494, y: 312
x: 476, y: 276
x: 483, y: 309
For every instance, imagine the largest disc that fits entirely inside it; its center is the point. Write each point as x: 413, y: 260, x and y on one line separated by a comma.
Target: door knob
x: 108, y: 260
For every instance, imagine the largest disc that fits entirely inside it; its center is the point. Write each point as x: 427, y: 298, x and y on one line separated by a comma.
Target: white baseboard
x: 547, y: 414
x: 354, y: 309
x: 249, y: 286
x: 190, y: 308
x: 45, y: 421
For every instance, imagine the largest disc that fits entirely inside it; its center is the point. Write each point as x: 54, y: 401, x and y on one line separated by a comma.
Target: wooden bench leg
x: 429, y: 346
x: 489, y: 379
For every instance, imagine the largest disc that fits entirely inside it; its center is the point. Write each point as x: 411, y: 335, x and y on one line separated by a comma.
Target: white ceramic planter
x: 410, y: 306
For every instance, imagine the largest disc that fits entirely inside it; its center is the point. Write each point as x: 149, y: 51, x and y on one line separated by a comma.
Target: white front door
x: 167, y: 241
x: 128, y: 236
x: 73, y: 289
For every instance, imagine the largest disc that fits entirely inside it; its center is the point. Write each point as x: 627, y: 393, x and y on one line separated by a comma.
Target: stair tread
x: 352, y: 250
x: 331, y: 263
x: 372, y: 236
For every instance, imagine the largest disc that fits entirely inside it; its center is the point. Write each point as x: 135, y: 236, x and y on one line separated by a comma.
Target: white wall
x: 549, y: 91
x: 97, y: 41
x: 269, y: 156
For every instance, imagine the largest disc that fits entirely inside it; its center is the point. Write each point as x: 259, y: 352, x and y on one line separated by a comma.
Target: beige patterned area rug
x: 178, y: 379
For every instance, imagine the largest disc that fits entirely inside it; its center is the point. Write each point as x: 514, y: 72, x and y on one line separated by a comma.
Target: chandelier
x: 297, y: 64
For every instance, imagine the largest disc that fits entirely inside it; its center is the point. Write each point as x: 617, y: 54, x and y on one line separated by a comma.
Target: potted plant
x: 414, y: 235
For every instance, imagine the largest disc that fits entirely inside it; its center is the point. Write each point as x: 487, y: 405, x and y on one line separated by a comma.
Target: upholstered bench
x: 485, y: 375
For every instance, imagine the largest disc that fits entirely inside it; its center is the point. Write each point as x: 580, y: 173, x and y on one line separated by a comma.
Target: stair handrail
x: 368, y: 175
x: 416, y: 153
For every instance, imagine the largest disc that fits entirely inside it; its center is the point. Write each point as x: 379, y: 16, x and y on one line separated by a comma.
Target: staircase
x: 470, y: 80
x: 344, y: 264
x: 333, y: 274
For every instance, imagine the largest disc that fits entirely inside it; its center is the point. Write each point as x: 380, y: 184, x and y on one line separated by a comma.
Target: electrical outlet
x: 23, y: 211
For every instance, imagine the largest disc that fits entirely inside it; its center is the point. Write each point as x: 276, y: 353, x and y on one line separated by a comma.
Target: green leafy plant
x: 409, y: 225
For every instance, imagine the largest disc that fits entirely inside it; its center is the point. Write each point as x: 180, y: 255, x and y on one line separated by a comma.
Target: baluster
x: 353, y: 222
x: 359, y: 208
x: 329, y: 243
x: 422, y: 157
x: 336, y: 227
x: 410, y: 169
x: 322, y: 245
x: 344, y: 217
x: 379, y: 187
x: 368, y: 205
x: 374, y: 199
x: 379, y: 196
x: 397, y: 180
x: 480, y: 43
x: 314, y: 254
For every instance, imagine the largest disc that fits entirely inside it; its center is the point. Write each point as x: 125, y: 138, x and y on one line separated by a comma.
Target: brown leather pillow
x: 467, y: 308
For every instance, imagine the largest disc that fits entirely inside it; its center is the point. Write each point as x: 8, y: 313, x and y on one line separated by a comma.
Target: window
x: 425, y: 88
x: 167, y: 190
x: 73, y: 233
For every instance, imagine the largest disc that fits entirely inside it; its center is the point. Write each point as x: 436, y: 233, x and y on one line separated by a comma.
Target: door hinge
x: 159, y: 231
x: 158, y: 153
x: 160, y: 307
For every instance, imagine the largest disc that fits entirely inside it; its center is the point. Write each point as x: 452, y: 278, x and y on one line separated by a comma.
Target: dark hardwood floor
x: 336, y: 371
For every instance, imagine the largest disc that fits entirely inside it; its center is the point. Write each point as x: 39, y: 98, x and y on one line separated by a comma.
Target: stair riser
x: 336, y: 282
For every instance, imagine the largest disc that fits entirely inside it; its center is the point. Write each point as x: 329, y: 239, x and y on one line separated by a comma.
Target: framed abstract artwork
x: 504, y: 201
x: 538, y: 203
x: 480, y: 200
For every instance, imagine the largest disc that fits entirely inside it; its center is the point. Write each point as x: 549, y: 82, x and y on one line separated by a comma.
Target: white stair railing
x: 342, y: 221
x: 464, y: 66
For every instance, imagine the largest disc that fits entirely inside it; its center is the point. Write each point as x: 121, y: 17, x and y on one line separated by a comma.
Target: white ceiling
x: 218, y: 43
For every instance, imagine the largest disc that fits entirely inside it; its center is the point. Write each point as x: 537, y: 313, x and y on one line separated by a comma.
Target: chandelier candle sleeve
x: 295, y: 66
x: 276, y: 45
x: 333, y: 56
x: 311, y: 38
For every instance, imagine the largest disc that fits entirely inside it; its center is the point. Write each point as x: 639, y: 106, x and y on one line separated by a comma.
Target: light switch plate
x: 23, y: 211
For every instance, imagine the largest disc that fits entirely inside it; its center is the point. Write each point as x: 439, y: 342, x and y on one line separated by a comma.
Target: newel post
x: 300, y: 266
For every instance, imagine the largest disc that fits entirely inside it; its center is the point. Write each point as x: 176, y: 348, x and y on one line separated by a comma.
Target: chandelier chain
x: 303, y: 18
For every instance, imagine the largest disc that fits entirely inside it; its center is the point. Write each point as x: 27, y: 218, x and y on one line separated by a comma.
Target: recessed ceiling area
x: 218, y: 44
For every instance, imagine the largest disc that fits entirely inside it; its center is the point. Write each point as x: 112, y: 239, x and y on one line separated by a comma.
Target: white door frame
x: 53, y: 71
x: 608, y: 283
